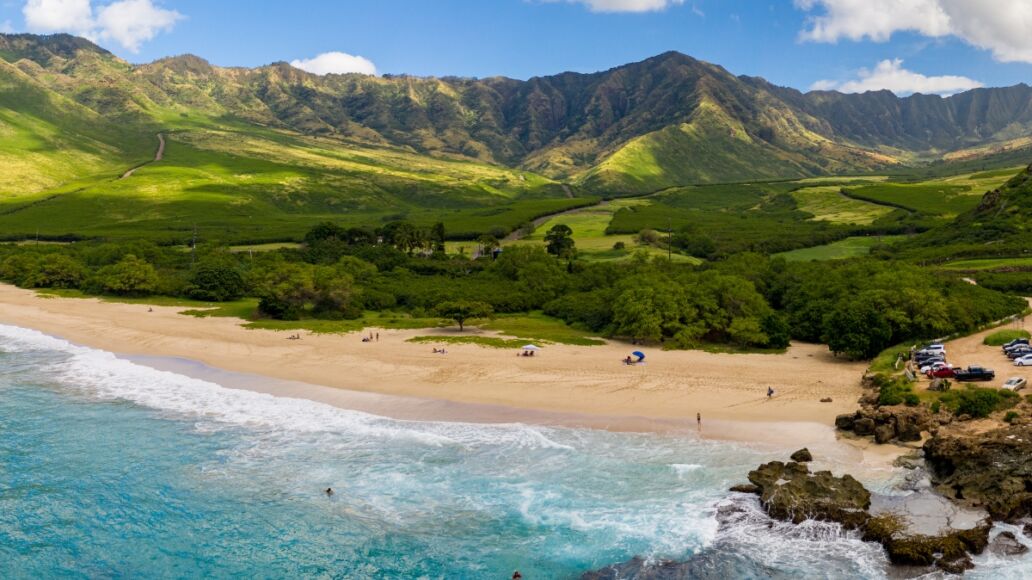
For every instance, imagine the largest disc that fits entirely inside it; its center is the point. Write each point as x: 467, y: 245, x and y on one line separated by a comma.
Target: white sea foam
x: 103, y: 375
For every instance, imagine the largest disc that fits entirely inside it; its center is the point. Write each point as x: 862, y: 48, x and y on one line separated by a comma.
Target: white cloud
x: 127, y: 22
x: 1000, y: 26
x: 133, y: 22
x: 890, y: 74
x: 336, y: 63
x: 75, y: 16
x: 626, y: 5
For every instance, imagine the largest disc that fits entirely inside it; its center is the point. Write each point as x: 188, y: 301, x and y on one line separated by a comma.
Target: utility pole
x: 193, y: 248
x: 669, y: 239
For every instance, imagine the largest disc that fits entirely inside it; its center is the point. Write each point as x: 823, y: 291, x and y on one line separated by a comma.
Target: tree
x: 858, y: 329
x: 284, y: 289
x: 216, y: 280
x: 438, y: 236
x: 130, y: 276
x: 559, y: 241
x: 462, y: 310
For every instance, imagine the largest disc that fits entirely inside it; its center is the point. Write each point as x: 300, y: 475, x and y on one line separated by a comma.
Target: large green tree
x: 462, y: 310
x: 559, y: 241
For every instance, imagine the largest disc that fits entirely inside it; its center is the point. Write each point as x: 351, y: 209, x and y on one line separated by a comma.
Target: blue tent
x: 639, y: 354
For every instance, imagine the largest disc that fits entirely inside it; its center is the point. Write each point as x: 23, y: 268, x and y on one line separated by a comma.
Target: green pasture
x: 988, y: 264
x: 826, y: 203
x: 852, y: 247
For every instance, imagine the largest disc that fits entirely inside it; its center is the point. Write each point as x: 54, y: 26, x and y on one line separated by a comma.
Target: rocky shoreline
x: 968, y: 476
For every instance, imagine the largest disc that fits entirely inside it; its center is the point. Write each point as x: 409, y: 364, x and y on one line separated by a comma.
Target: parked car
x: 1015, y: 384
x: 934, y: 347
x: 934, y: 366
x: 922, y: 360
x: 1023, y: 361
x: 1015, y: 342
x: 974, y: 373
x: 1018, y: 353
x: 941, y: 373
x: 1015, y: 347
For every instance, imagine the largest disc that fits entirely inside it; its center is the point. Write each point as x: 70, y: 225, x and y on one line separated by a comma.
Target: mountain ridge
x: 667, y: 120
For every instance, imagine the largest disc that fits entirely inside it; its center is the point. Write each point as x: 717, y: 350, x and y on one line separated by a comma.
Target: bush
x: 894, y: 391
x: 1010, y: 416
x: 979, y: 402
x: 216, y: 282
x: 936, y: 407
x: 1001, y: 337
x: 911, y: 400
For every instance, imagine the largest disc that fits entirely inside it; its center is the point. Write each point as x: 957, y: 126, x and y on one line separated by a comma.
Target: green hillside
x: 260, y: 154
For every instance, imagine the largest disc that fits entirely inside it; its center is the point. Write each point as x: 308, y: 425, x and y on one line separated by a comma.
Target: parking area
x: 971, y: 351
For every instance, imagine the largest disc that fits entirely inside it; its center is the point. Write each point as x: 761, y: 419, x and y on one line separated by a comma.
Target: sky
x: 907, y: 46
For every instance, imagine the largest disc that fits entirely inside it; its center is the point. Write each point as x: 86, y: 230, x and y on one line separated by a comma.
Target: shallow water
x: 113, y: 469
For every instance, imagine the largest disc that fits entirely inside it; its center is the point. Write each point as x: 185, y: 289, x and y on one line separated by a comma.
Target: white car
x: 934, y: 367
x: 1015, y: 384
x: 1023, y: 361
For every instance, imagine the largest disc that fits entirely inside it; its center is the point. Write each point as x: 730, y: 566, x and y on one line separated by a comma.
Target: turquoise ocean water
x: 111, y: 469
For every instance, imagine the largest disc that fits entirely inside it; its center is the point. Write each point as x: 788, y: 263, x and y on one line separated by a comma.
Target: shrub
x: 979, y: 402
x: 216, y: 282
x: 619, y: 246
x: 1001, y: 337
x: 936, y: 406
x: 911, y: 400
x: 1010, y: 416
x: 893, y: 390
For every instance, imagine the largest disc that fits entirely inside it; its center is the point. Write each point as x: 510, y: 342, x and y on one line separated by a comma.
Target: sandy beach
x: 562, y: 379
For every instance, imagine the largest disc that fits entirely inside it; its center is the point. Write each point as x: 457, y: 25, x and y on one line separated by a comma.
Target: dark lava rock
x: 746, y: 488
x: 790, y: 492
x: 864, y: 426
x: 990, y: 469
x: 949, y: 552
x: 908, y: 431
x: 802, y: 456
x: 1005, y: 544
x: 845, y: 422
x: 1027, y: 530
x: 884, y: 433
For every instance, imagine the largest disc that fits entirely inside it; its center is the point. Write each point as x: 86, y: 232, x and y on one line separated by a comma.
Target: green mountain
x: 272, y: 148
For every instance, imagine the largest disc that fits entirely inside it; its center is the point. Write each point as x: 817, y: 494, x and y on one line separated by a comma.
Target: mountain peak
x: 44, y: 49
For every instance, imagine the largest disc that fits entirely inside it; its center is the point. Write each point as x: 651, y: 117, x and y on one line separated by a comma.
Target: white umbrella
x: 531, y: 347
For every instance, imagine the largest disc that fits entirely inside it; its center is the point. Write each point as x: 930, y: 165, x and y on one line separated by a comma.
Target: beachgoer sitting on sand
x: 149, y: 309
x: 329, y: 491
x: 365, y: 339
x: 628, y: 361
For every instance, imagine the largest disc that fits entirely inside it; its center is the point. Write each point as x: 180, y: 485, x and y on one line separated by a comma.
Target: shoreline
x: 874, y: 460
x: 589, y: 381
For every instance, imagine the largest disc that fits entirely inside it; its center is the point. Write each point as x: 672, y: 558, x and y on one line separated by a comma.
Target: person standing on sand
x: 377, y: 337
x: 698, y: 419
x: 770, y: 392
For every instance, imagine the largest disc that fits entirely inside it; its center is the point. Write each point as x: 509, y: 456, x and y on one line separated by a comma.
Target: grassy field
x: 848, y: 248
x: 231, y: 196
x: 943, y: 197
x: 589, y: 233
x: 988, y: 264
x: 826, y: 203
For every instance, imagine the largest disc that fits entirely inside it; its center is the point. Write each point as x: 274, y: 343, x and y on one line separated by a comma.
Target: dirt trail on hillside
x: 158, y: 156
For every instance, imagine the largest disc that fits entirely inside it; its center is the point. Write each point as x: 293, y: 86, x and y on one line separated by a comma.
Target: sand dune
x: 592, y: 380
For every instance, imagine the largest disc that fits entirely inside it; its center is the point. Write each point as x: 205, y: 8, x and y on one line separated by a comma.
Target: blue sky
x: 904, y: 45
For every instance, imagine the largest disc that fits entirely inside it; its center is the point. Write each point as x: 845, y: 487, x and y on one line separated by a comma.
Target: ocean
x: 113, y: 469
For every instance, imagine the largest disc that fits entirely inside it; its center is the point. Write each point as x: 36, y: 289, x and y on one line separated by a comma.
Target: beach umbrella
x: 639, y: 354
x: 531, y: 347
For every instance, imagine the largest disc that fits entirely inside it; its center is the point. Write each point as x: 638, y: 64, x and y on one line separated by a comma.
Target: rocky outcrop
x: 888, y: 424
x: 802, y: 456
x: 790, y: 492
x: 991, y: 470
x: 1007, y: 544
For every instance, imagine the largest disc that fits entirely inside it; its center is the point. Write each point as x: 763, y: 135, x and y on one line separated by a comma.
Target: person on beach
x: 516, y: 575
x: 329, y: 492
x: 698, y: 419
x: 770, y: 392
